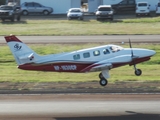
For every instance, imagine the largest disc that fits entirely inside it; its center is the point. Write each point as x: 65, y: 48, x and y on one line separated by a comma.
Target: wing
x: 97, y: 67
x: 101, y: 67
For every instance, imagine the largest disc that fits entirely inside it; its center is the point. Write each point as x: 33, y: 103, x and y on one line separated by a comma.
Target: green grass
x: 92, y: 27
x: 9, y: 72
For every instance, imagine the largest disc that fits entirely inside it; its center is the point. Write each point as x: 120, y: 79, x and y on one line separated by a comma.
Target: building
x: 62, y: 6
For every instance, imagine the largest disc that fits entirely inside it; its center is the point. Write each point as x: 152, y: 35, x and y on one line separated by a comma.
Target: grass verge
x: 86, y: 27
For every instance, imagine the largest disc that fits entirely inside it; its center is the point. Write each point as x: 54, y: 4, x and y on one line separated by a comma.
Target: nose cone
x: 151, y: 52
x: 143, y: 52
x: 147, y: 53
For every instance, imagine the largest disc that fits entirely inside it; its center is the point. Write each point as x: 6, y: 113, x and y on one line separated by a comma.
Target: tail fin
x: 21, y: 52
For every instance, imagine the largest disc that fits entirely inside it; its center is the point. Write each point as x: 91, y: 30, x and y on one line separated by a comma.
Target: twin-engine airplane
x: 101, y: 58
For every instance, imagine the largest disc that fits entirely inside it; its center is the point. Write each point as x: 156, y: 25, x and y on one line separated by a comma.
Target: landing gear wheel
x: 103, y: 82
x: 138, y: 72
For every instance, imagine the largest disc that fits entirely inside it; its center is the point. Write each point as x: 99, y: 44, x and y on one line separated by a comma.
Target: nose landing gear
x: 138, y: 72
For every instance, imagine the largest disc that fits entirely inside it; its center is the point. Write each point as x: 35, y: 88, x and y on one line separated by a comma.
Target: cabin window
x: 96, y: 53
x: 106, y: 51
x: 76, y: 57
x: 86, y: 55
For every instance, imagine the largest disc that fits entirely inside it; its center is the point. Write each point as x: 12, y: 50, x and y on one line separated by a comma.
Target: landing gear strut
x: 103, y: 81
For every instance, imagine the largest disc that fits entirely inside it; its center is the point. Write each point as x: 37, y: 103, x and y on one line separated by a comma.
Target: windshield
x: 142, y: 4
x: 75, y: 10
x: 6, y: 8
x: 105, y: 9
x: 115, y: 48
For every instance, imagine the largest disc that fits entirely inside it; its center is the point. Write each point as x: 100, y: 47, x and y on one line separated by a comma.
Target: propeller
x: 138, y: 72
x: 130, y: 44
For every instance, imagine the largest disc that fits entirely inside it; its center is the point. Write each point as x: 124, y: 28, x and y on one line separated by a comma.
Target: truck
x: 10, y: 12
x: 124, y: 5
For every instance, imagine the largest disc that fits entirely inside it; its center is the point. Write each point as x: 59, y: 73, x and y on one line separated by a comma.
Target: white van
x: 158, y: 8
x: 142, y: 8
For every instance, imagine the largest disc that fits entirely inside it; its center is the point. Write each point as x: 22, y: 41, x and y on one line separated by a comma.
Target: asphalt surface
x: 80, y: 107
x: 88, y: 39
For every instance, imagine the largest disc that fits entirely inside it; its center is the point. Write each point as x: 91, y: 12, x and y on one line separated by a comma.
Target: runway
x: 88, y: 39
x: 80, y: 107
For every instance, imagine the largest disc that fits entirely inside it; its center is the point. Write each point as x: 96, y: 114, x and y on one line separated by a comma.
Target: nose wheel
x: 138, y: 72
x: 103, y: 81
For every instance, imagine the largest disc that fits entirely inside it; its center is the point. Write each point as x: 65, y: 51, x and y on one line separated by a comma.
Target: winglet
x: 12, y: 38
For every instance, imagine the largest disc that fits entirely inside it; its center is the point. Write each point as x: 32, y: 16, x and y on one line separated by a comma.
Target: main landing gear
x: 103, y: 81
x: 105, y: 74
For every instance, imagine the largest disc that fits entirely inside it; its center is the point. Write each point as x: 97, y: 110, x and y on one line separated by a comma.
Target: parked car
x: 104, y: 12
x: 10, y: 12
x: 158, y: 8
x: 75, y: 13
x: 33, y: 7
x: 125, y: 5
x: 142, y: 8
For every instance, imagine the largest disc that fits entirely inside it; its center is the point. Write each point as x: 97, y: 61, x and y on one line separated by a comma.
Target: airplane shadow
x: 132, y: 116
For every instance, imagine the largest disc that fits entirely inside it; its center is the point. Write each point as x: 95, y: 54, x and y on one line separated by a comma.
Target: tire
x: 68, y: 18
x: 45, y: 12
x: 138, y: 72
x: 18, y: 18
x: 115, y: 11
x: 12, y: 19
x: 81, y: 18
x: 3, y: 19
x: 25, y: 12
x: 103, y: 82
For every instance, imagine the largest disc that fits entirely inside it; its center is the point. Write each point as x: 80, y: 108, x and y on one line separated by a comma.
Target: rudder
x: 21, y: 52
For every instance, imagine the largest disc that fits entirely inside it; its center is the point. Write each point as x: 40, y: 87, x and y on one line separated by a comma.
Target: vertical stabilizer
x: 21, y: 52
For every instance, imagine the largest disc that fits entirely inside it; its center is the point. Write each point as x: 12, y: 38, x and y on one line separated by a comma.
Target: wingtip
x: 11, y: 38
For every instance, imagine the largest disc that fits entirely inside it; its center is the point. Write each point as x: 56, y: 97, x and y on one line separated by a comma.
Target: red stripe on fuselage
x: 56, y: 67
x: 72, y: 67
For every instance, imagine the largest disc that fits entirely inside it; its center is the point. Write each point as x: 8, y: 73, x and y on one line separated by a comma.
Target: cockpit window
x: 115, y: 48
x: 106, y: 51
